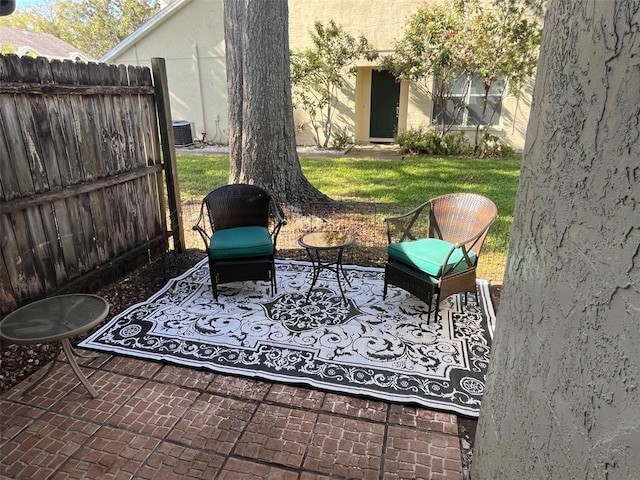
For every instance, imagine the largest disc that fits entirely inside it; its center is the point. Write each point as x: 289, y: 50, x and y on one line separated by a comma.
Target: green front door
x: 385, y: 97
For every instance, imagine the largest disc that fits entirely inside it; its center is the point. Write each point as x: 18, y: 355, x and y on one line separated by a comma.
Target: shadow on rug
x: 381, y: 349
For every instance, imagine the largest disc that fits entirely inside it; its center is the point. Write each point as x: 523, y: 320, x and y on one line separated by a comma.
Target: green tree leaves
x: 93, y: 26
x: 318, y: 73
x: 443, y: 44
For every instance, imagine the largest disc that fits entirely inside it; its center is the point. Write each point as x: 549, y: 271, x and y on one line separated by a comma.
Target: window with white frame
x: 464, y: 103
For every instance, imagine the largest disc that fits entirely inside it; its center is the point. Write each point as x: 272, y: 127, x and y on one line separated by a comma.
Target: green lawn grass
x: 401, y: 184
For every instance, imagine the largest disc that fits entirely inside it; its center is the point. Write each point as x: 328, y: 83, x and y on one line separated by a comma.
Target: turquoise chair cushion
x: 240, y: 242
x: 428, y: 255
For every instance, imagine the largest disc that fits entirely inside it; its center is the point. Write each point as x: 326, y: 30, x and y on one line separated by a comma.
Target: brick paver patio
x: 155, y: 421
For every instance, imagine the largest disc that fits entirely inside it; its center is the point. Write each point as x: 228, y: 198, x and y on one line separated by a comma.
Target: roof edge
x: 144, y: 29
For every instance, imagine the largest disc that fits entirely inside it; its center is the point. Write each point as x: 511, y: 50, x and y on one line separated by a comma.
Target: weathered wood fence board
x: 80, y: 172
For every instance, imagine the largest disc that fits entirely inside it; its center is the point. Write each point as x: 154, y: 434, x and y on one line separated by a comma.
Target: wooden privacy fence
x: 81, y: 176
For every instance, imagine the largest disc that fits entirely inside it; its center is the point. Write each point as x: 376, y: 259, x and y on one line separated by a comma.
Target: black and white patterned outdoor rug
x: 383, y: 349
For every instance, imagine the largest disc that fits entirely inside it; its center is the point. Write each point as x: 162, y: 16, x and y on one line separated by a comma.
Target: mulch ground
x: 19, y: 361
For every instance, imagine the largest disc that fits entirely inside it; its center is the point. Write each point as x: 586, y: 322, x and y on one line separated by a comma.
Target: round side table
x: 325, y: 250
x: 56, y: 319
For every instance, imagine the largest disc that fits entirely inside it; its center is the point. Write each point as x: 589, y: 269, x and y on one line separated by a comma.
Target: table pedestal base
x: 71, y: 354
x: 319, y: 264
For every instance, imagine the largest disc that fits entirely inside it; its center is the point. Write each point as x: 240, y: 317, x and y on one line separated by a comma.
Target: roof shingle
x: 43, y: 44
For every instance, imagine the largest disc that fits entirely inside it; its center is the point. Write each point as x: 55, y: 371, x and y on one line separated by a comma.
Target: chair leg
x: 212, y: 274
x: 274, y: 284
x: 384, y: 290
x: 214, y: 287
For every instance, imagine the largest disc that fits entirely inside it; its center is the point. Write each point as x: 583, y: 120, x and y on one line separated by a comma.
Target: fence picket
x: 75, y: 139
x: 65, y: 232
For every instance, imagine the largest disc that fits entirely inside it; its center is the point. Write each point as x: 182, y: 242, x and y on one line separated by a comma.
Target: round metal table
x: 325, y: 250
x: 56, y: 319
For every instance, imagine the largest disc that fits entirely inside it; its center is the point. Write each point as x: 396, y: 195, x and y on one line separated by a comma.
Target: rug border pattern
x: 267, y: 362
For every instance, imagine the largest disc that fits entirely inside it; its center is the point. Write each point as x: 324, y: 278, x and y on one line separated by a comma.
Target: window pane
x: 477, y: 86
x: 470, y: 89
x: 454, y: 114
x: 475, y: 112
x: 498, y: 86
x: 460, y: 87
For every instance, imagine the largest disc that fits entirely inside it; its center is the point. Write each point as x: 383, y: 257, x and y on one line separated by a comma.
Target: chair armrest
x: 466, y: 246
x: 465, y: 258
x: 471, y: 242
x: 279, y: 220
x: 201, y: 230
x: 401, y: 225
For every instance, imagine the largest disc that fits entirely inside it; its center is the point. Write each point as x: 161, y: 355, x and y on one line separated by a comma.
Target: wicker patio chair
x: 434, y: 248
x: 244, y: 222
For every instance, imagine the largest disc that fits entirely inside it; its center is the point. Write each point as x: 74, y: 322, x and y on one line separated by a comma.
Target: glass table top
x: 53, y: 318
x: 328, y: 240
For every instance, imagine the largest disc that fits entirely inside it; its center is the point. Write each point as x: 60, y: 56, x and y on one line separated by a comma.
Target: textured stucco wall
x: 192, y: 43
x: 563, y: 393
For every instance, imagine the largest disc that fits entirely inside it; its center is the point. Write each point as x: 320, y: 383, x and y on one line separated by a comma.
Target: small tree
x: 431, y: 49
x: 318, y: 73
x: 447, y: 47
x: 505, y: 44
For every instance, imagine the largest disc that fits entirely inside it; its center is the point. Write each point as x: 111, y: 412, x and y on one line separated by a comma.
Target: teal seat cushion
x: 428, y: 255
x: 240, y: 242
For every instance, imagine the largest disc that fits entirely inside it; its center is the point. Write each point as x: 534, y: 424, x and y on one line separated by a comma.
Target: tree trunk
x: 563, y: 392
x: 261, y: 129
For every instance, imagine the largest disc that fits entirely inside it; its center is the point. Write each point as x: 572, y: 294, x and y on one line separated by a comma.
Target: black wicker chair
x: 244, y: 221
x: 434, y: 248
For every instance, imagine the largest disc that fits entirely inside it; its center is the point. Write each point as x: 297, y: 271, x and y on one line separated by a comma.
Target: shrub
x: 492, y: 147
x: 425, y: 141
x: 422, y: 141
x: 340, y: 140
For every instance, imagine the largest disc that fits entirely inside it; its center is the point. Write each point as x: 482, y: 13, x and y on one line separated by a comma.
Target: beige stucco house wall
x: 189, y: 34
